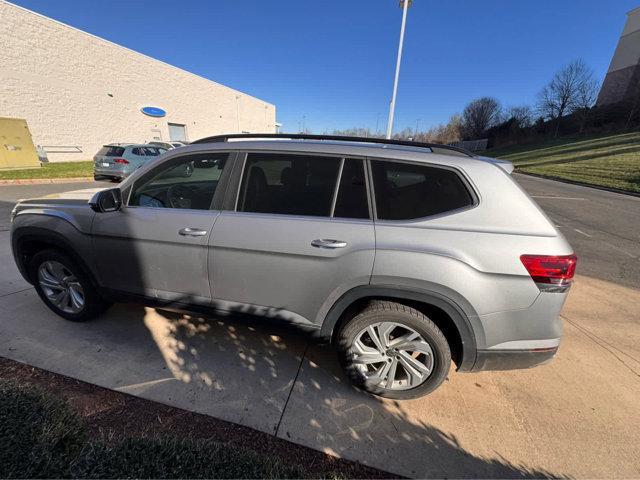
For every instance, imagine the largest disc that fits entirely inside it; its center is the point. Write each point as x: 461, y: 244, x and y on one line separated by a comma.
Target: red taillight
x: 121, y: 160
x: 550, y: 269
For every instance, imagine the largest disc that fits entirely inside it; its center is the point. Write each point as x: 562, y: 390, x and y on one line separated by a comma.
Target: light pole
x: 415, y: 134
x: 405, y: 6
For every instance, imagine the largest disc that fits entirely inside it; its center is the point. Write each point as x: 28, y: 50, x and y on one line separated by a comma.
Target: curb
x: 580, y: 184
x: 41, y: 181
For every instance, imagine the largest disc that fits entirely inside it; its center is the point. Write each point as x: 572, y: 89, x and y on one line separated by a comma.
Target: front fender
x: 52, y: 231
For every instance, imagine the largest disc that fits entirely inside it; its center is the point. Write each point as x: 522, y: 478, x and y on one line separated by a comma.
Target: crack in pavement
x: 293, y: 385
x: 605, y: 345
x: 13, y: 293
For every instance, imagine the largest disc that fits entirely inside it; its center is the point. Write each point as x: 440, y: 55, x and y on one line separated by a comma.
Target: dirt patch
x: 116, y: 416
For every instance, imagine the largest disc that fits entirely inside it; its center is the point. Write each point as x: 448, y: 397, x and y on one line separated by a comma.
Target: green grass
x: 604, y: 160
x: 51, y: 170
x: 42, y: 437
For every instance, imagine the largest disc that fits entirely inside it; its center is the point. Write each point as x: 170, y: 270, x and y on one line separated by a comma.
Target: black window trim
x: 232, y: 198
x: 221, y: 188
x: 463, y: 178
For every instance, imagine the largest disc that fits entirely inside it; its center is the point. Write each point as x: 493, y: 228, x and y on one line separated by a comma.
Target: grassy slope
x: 51, y: 170
x: 605, y: 160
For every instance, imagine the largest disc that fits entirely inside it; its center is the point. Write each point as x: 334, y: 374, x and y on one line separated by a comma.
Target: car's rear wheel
x: 394, y: 351
x: 65, y: 287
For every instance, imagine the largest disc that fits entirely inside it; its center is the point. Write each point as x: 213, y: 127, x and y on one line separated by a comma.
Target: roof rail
x: 340, y: 138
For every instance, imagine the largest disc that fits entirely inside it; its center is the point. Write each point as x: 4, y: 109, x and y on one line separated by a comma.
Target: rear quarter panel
x: 472, y: 254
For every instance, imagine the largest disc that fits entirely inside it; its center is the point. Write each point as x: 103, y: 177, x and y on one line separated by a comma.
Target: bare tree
x: 522, y: 114
x: 406, y: 133
x: 570, y: 89
x: 479, y: 115
x: 586, y: 97
x: 353, y: 132
x: 443, y: 133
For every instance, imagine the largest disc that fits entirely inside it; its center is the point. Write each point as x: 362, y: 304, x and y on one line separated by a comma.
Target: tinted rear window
x: 148, y: 151
x: 352, y: 193
x: 288, y: 184
x: 405, y: 191
x: 108, y: 151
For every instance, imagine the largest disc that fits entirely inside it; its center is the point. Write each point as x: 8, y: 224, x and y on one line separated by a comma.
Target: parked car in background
x: 116, y: 161
x: 467, y: 267
x: 166, y: 145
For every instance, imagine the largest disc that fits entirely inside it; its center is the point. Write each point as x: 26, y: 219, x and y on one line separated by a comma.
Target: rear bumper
x: 112, y: 172
x: 102, y: 176
x: 512, y: 359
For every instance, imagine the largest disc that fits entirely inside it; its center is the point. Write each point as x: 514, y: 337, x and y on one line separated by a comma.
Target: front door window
x: 187, y: 183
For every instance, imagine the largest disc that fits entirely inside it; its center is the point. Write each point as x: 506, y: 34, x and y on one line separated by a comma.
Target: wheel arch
x: 446, y: 313
x: 27, y: 241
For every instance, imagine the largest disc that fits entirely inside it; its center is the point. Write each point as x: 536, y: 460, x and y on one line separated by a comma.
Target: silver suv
x: 117, y: 161
x: 405, y: 256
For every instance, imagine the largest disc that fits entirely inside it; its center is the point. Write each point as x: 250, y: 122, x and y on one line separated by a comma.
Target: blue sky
x: 332, y: 61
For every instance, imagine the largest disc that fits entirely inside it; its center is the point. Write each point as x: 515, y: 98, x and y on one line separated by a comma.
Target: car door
x: 297, y: 235
x: 156, y: 244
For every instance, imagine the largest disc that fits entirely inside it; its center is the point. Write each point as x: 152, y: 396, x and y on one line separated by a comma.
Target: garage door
x: 177, y: 132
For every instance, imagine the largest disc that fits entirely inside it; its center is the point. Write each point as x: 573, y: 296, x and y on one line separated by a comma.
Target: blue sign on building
x: 153, y: 111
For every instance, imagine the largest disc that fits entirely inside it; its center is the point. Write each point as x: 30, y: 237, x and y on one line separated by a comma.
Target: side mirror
x: 107, y: 200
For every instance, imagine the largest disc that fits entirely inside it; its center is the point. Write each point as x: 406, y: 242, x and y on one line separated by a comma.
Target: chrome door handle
x: 192, y: 232
x: 328, y: 243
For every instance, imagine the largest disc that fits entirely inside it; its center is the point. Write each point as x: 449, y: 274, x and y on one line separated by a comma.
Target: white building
x: 79, y: 92
x: 623, y: 76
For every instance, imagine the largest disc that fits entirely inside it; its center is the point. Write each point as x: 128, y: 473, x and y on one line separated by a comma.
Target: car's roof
x: 399, y: 145
x: 126, y: 145
x: 333, y: 148
x: 343, y: 148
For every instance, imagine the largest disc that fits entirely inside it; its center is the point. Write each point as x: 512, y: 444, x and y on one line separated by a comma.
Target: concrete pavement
x: 578, y: 416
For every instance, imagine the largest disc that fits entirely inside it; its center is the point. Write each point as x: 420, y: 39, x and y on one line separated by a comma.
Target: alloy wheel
x: 392, y: 356
x: 61, y: 287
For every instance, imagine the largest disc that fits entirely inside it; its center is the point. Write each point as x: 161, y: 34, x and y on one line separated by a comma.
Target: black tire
x: 94, y: 304
x: 386, y: 311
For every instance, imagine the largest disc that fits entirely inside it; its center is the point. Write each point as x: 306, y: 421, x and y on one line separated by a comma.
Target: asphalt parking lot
x: 578, y: 416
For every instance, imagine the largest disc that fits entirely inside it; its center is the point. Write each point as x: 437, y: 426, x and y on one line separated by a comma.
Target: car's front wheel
x: 394, y: 351
x: 65, y: 287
